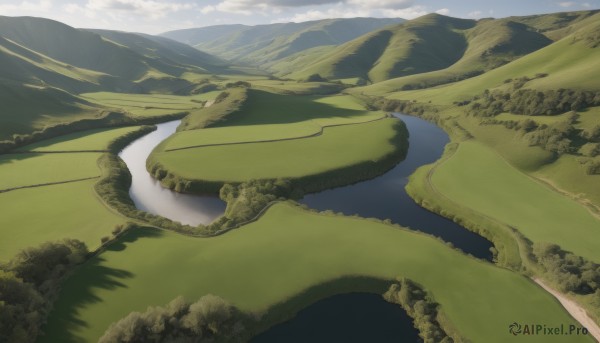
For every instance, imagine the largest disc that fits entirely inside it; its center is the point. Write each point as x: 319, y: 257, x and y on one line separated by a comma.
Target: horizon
x: 159, y: 16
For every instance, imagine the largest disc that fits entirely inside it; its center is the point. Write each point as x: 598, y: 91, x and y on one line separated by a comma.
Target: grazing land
x: 275, y: 136
x: 70, y: 210
x: 286, y: 252
x: 478, y: 178
x: 91, y: 140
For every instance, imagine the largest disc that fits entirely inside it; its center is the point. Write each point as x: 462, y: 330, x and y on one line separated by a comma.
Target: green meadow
x: 286, y: 252
x: 149, y: 105
x: 70, y: 210
x: 27, y: 169
x: 480, y: 179
x: 263, y: 107
x: 278, y: 136
x: 66, y: 210
x: 336, y: 148
x: 91, y: 140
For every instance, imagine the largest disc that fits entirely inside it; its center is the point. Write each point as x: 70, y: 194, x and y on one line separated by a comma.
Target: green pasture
x: 27, y: 169
x: 286, y: 252
x: 480, y: 179
x: 91, y: 140
x: 569, y: 63
x: 268, y: 108
x: 150, y: 105
x: 337, y: 147
x: 35, y: 215
x: 241, y: 134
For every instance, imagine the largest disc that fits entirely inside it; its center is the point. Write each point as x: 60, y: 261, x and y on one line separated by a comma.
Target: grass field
x: 283, y: 136
x: 478, y: 178
x: 92, y: 140
x: 149, y: 105
x: 268, y: 108
x: 18, y: 170
x: 287, y: 251
x: 240, y: 134
x: 337, y: 147
x: 36, y: 215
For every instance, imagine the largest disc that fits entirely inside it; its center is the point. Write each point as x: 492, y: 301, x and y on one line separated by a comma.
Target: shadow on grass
x: 268, y: 108
x: 81, y: 289
x: 287, y: 309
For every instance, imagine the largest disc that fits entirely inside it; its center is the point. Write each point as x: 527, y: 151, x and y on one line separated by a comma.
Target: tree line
x: 29, y: 284
x: 532, y: 102
x: 432, y: 325
x: 209, y: 319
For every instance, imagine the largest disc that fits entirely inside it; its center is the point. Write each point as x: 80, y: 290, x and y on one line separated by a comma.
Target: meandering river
x: 383, y: 197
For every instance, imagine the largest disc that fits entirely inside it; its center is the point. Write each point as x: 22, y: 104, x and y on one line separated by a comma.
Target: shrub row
x: 433, y: 326
x: 105, y: 119
x: 209, y: 319
x: 29, y: 284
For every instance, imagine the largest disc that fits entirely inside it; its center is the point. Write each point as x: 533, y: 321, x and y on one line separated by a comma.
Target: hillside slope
x: 261, y: 44
x: 462, y: 48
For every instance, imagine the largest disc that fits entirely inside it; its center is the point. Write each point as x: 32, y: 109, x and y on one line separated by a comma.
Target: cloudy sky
x: 155, y: 16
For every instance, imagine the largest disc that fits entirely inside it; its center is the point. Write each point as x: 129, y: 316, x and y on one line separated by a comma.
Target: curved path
x: 574, y: 309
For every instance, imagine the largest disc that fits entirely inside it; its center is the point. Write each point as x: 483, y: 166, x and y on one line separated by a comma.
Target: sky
x: 156, y: 16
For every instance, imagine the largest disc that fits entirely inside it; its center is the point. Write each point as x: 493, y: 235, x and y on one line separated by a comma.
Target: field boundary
x: 316, y: 134
x: 47, y: 184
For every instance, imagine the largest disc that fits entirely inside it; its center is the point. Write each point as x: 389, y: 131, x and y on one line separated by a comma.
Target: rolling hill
x: 461, y: 48
x: 257, y: 45
x: 45, y: 64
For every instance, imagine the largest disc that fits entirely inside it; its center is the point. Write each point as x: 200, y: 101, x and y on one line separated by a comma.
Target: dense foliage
x: 533, y: 102
x: 105, y: 119
x: 247, y: 200
x: 568, y: 271
x: 30, y: 282
x: 113, y: 188
x: 422, y: 308
x: 207, y: 320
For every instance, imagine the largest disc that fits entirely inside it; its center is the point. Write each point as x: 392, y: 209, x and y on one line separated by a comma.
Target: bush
x: 566, y: 270
x: 30, y: 282
x: 209, y: 319
x: 424, y: 310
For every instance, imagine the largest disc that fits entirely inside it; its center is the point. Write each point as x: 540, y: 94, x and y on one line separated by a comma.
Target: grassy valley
x: 268, y: 115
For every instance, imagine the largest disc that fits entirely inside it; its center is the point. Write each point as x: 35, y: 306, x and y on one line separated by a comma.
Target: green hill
x: 261, y: 44
x: 490, y: 44
x: 437, y: 48
x: 44, y: 64
x: 165, y: 50
x: 573, y: 62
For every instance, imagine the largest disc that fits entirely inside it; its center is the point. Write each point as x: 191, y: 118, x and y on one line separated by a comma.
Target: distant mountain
x: 163, y: 49
x: 262, y: 44
x: 44, y: 64
x: 121, y: 55
x: 460, y: 47
x: 571, y: 62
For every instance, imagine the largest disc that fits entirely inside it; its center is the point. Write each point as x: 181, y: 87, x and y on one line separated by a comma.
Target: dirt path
x: 574, y: 310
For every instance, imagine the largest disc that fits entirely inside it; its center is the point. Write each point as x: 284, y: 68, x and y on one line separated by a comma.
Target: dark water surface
x: 385, y: 198
x: 353, y: 317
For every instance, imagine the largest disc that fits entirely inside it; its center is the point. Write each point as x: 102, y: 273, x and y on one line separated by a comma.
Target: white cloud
x: 586, y: 5
x: 475, y: 14
x: 250, y: 6
x: 382, y: 4
x: 150, y: 8
x: 406, y: 13
x: 23, y: 7
x: 443, y: 11
x: 208, y: 9
x: 567, y: 4
x: 335, y: 12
